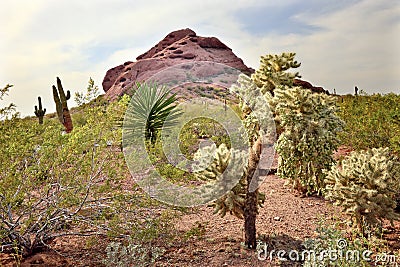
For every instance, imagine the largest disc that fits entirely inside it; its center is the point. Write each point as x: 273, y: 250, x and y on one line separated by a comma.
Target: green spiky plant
x: 365, y: 186
x: 60, y: 98
x: 273, y: 72
x: 309, y: 138
x: 39, y: 112
x: 234, y: 201
x: 151, y: 106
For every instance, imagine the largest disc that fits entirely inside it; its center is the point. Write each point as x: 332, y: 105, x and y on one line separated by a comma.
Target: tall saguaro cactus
x: 39, y: 112
x: 60, y: 98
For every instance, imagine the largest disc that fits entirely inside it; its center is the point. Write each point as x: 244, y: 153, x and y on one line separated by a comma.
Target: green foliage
x: 309, y: 138
x: 163, y: 167
x: 371, y: 121
x: 39, y: 112
x: 151, y: 106
x: 10, y: 110
x: 141, y: 248
x: 92, y: 92
x: 365, y: 186
x: 60, y: 98
x: 199, y: 129
x: 50, y: 181
x: 272, y: 72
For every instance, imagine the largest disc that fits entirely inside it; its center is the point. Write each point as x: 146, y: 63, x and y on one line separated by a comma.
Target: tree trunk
x: 250, y: 209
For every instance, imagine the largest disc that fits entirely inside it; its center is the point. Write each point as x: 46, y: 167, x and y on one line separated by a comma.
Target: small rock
x: 277, y: 218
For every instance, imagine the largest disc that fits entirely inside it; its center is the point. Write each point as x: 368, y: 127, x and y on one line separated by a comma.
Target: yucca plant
x: 151, y: 105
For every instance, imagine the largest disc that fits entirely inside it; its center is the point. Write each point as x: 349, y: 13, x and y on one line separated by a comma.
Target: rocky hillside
x: 176, y: 48
x: 181, y: 46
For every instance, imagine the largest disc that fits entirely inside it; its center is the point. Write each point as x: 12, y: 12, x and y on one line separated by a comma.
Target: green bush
x: 364, y: 185
x: 50, y: 180
x: 310, y: 127
x: 371, y: 121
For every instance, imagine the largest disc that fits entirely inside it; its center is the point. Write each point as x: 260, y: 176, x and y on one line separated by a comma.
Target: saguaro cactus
x: 39, y: 112
x: 60, y: 98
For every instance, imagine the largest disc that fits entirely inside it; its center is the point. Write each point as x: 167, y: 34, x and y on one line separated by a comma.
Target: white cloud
x: 357, y: 45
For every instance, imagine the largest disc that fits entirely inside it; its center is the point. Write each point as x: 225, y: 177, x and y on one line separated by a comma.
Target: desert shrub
x: 142, y: 247
x: 310, y: 126
x: 371, y: 121
x: 10, y: 110
x: 196, y: 131
x: 92, y: 92
x: 365, y: 185
x: 50, y: 181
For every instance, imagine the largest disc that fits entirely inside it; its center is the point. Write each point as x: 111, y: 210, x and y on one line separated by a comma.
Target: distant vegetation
x: 371, y: 121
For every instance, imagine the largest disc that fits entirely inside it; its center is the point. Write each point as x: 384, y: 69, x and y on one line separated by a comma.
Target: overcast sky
x: 340, y: 43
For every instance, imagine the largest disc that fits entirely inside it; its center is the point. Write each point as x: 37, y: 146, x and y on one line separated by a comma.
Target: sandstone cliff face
x: 176, y: 48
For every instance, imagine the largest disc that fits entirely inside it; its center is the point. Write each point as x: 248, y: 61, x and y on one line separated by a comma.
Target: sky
x: 340, y: 43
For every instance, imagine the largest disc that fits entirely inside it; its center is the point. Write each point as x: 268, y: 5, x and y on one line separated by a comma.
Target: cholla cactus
x: 244, y: 199
x: 234, y: 200
x: 309, y: 138
x: 272, y: 72
x: 365, y: 186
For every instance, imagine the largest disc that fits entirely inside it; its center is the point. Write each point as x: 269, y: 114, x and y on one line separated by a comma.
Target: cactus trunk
x: 67, y: 120
x: 251, y: 202
x: 60, y: 98
x: 39, y: 112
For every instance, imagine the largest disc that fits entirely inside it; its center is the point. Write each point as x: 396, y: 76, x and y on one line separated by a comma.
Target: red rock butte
x: 177, y: 47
